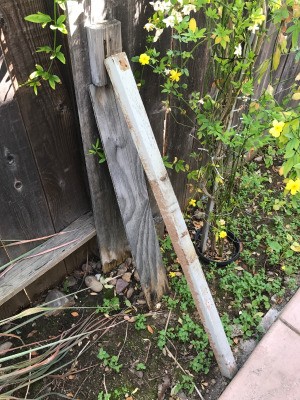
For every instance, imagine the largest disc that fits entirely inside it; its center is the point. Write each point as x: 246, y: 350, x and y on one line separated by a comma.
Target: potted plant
x: 231, y: 119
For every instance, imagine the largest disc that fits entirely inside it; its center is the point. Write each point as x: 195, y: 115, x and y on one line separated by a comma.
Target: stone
x: 130, y: 292
x: 122, y: 269
x: 127, y: 276
x: 4, y: 347
x: 71, y: 281
x: 136, y: 275
x: 57, y: 300
x: 87, y: 268
x: 93, y: 284
x: 236, y: 331
x: 121, y: 286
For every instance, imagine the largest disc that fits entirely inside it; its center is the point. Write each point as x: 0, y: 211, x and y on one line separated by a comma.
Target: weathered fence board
x: 139, y: 126
x: 46, y: 256
x: 130, y: 187
x: 24, y: 211
x: 110, y: 231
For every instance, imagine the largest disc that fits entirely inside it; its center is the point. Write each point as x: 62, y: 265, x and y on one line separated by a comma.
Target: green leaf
x: 38, y: 18
x: 45, y: 49
x: 61, y: 57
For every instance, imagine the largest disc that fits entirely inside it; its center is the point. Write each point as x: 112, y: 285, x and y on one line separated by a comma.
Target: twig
x: 123, y: 342
x: 147, y: 355
x: 104, y: 384
x: 183, y: 370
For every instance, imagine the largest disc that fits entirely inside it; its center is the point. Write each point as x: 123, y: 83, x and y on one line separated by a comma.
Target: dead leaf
x: 70, y: 394
x: 34, y: 353
x: 74, y: 314
x: 32, y: 333
x: 129, y: 319
x: 71, y: 377
x: 236, y: 340
x: 150, y: 329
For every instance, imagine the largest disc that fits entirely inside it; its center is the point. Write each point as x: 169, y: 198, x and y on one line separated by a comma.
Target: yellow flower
x: 144, y: 59
x: 175, y: 75
x: 222, y: 234
x: 172, y: 274
x: 293, y: 186
x: 277, y: 128
x: 283, y: 268
x: 193, y: 25
x: 192, y: 203
x: 222, y: 222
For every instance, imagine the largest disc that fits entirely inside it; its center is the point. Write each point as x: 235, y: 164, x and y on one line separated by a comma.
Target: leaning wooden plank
x: 112, y: 239
x: 130, y: 186
x: 43, y: 257
x: 134, y: 112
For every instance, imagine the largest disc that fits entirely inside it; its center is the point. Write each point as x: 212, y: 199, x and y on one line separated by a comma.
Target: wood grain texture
x: 128, y: 178
x: 112, y: 239
x: 103, y: 40
x: 24, y: 212
x: 133, y: 15
x: 29, y: 270
x: 48, y: 118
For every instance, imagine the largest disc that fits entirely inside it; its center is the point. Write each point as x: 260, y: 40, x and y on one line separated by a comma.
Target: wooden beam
x: 130, y: 186
x: 113, y: 244
x: 46, y: 256
x: 103, y: 39
x: 135, y: 115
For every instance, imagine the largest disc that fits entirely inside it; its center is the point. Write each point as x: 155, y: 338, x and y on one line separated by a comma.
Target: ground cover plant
x: 114, y: 348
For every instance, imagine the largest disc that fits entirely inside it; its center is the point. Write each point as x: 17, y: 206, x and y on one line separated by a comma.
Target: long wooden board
x: 128, y: 96
x: 43, y: 257
x: 113, y: 244
x: 130, y: 186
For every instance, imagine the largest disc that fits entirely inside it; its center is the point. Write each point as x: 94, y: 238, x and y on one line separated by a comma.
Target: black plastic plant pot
x: 231, y: 238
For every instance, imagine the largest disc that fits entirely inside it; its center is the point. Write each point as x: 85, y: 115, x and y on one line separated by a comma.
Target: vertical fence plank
x: 48, y: 117
x: 24, y: 211
x: 113, y: 243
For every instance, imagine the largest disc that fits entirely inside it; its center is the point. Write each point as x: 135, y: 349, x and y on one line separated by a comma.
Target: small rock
x: 136, y: 275
x: 127, y: 277
x: 139, y: 374
x: 57, y: 299
x: 121, y: 286
x: 122, y: 269
x: 71, y: 281
x: 258, y: 159
x: 98, y: 266
x: 246, y: 347
x: 128, y: 262
x: 113, y: 282
x: 141, y: 302
x: 87, y: 268
x: 92, y: 283
x: 130, y: 292
x: 5, y: 347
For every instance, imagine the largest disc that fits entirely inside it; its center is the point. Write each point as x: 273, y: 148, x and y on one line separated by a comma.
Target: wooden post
x: 124, y: 165
x: 111, y: 235
x: 135, y: 115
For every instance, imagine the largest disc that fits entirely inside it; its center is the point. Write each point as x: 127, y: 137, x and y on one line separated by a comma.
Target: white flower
x: 177, y: 15
x: 149, y: 27
x: 253, y: 28
x: 201, y: 101
x: 167, y: 71
x: 157, y: 34
x: 187, y: 9
x: 169, y: 21
x: 161, y: 5
x: 238, y: 50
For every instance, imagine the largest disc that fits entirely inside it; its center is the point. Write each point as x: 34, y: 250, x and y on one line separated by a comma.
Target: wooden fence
x: 43, y: 178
